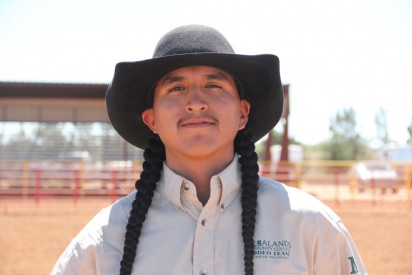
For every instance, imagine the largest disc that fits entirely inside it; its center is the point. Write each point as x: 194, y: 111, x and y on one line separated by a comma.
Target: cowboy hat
x: 129, y: 93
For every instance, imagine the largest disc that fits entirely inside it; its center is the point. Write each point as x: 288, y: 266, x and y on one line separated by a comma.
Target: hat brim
x: 127, y: 95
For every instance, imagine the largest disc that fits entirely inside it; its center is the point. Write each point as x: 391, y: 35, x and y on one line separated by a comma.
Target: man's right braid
x: 154, y: 156
x: 245, y: 147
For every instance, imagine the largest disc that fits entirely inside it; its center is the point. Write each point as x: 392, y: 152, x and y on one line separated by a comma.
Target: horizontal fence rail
x: 77, y: 179
x: 334, y: 180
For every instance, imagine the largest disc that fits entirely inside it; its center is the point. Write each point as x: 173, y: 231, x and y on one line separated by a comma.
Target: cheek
x: 165, y: 111
x: 231, y: 116
x: 168, y: 105
x: 230, y: 104
x: 226, y: 101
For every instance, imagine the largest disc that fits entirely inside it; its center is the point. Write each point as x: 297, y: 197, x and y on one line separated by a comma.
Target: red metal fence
x: 327, y: 180
x: 77, y: 179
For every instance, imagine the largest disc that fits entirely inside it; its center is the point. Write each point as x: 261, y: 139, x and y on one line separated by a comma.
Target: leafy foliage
x: 345, y: 143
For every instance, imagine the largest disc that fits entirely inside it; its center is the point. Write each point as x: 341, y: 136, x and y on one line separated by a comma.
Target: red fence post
x: 336, y: 173
x: 76, y: 186
x: 409, y: 189
x: 37, y: 191
x: 373, y: 187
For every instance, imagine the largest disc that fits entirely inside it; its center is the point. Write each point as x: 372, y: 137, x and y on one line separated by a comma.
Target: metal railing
x: 42, y: 178
x: 338, y: 180
x: 326, y: 179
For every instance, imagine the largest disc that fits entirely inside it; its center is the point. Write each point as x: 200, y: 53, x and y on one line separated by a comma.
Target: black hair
x: 245, y: 147
x: 154, y: 156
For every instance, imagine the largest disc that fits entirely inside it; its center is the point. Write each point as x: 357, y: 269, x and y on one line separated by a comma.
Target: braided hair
x: 154, y: 156
x: 245, y: 147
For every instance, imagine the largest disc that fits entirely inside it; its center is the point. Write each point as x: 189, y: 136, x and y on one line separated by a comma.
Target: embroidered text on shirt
x: 272, y: 249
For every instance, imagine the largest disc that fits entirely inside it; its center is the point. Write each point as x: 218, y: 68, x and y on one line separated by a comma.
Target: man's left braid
x: 245, y: 147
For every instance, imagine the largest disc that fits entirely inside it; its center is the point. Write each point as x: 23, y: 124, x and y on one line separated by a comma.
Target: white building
x: 396, y: 153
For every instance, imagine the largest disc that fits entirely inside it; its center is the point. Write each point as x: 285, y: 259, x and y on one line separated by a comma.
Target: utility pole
x: 268, y: 144
x: 284, y: 154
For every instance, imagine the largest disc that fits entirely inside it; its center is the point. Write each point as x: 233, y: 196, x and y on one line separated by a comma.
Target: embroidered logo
x: 272, y: 249
x: 354, y: 268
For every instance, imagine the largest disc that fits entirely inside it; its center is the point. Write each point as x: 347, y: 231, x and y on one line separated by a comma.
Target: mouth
x: 193, y: 122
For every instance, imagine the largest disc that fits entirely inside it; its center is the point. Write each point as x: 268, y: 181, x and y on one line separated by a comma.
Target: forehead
x: 185, y: 73
x: 205, y: 72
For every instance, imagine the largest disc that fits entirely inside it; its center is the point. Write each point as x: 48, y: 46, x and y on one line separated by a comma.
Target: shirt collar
x: 171, y: 184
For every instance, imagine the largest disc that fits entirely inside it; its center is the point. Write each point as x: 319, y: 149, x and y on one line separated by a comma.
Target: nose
x: 195, y: 101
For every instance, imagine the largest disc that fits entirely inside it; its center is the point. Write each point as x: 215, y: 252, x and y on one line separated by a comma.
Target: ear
x: 244, y: 113
x: 148, y: 119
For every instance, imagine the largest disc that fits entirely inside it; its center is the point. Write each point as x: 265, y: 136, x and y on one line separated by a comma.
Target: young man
x: 197, y: 108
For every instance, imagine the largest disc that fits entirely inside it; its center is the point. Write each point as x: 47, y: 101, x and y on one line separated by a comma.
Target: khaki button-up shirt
x: 295, y: 233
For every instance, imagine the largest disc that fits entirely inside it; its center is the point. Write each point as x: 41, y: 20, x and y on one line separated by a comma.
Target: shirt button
x: 222, y: 206
x: 186, y: 186
x: 203, y: 272
x: 204, y: 223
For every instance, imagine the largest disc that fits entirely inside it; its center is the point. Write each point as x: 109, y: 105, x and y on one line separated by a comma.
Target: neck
x: 199, y: 170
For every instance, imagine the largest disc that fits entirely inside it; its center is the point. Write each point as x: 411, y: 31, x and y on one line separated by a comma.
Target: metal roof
x: 52, y: 90
x: 52, y: 102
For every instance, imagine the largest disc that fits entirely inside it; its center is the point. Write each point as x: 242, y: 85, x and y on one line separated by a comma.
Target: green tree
x: 345, y: 143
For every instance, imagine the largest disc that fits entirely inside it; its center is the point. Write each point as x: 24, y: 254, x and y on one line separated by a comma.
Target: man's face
x: 197, y: 112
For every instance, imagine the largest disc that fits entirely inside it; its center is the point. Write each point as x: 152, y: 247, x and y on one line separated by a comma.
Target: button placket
x: 203, y: 250
x: 204, y: 246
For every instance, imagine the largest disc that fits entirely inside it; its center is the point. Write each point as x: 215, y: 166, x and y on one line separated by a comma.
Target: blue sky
x: 333, y: 54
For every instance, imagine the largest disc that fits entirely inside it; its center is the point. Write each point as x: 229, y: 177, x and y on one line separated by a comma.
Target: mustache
x: 203, y: 117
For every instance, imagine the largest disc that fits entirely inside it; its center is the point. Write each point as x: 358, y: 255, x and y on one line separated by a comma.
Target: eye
x: 213, y: 86
x: 177, y: 89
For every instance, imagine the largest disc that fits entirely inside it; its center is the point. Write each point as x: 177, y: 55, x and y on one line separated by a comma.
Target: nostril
x: 196, y: 106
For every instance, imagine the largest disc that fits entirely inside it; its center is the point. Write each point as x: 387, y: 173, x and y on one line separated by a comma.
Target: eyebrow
x: 217, y: 76
x: 176, y: 78
x: 171, y: 79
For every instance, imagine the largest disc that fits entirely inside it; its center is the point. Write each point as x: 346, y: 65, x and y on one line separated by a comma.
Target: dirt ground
x: 32, y: 236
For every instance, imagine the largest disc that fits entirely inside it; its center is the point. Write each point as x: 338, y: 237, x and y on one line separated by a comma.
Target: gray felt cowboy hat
x: 128, y: 94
